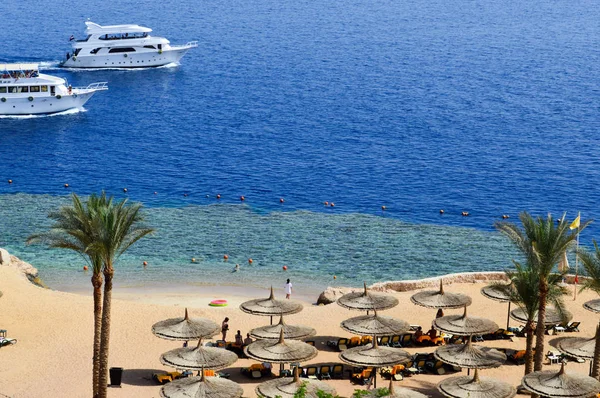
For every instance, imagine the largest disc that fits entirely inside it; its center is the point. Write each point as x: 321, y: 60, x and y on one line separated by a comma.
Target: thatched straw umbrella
x: 271, y: 306
x: 366, y: 301
x: 397, y: 392
x: 491, y: 292
x: 280, y: 351
x: 463, y: 325
x: 291, y: 332
x: 185, y: 328
x: 201, y: 387
x: 287, y: 387
x: 440, y: 299
x: 469, y: 356
x: 592, y: 305
x: 199, y: 357
x: 372, y: 355
x: 553, y: 317
x: 475, y: 387
x: 561, y: 384
x: 375, y: 325
x: 578, y: 347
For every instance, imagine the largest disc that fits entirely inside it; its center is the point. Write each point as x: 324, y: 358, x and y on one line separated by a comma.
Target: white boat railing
x: 93, y: 86
x: 193, y: 43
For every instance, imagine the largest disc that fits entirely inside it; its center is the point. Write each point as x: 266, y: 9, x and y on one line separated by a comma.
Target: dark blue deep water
x: 486, y: 107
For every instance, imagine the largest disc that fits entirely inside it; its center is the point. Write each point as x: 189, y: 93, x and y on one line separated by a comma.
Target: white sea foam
x: 63, y: 113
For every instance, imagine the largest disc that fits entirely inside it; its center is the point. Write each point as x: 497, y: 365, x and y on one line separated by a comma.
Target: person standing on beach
x: 288, y: 289
x: 225, y: 328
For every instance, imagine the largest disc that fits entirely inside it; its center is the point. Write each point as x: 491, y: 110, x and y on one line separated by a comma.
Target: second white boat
x: 123, y: 46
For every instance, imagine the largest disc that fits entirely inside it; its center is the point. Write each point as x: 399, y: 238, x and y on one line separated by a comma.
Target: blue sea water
x: 490, y: 108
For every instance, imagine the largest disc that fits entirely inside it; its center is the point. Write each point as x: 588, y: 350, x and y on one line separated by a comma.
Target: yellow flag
x: 576, y: 222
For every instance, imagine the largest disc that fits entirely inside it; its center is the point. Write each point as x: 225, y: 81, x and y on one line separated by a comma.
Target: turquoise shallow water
x: 314, y: 245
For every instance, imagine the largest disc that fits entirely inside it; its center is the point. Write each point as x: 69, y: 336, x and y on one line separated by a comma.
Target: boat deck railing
x: 188, y: 44
x: 93, y: 86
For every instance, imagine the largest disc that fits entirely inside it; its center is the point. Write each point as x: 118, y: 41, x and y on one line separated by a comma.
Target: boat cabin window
x: 76, y: 52
x: 152, y: 47
x: 121, y: 50
x: 95, y: 50
x: 119, y: 36
x: 34, y: 89
x: 22, y: 89
x: 44, y: 89
x: 3, y: 90
x: 12, y: 90
x: 52, y: 90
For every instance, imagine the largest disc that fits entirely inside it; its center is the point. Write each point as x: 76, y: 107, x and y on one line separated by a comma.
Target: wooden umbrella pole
x: 508, y: 316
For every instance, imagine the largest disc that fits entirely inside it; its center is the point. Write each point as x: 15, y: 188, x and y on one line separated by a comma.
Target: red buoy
x: 145, y: 263
x: 66, y: 185
x: 242, y: 198
x: 326, y: 203
x: 285, y: 267
x: 226, y: 257
x: 383, y: 208
x: 85, y: 267
x: 125, y: 190
x: 250, y: 261
x: 218, y: 196
x: 10, y: 181
x: 281, y: 200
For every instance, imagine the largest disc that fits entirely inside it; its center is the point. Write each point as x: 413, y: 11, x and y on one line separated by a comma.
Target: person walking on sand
x: 288, y: 289
x: 225, y: 328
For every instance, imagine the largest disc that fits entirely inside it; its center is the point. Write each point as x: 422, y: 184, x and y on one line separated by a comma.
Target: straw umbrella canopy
x: 561, y: 384
x: 201, y: 386
x: 375, y: 325
x: 578, y: 347
x: 292, y: 332
x: 592, y: 305
x: 366, y: 301
x: 287, y: 387
x: 463, y: 325
x: 469, y: 356
x: 271, y: 306
x: 280, y: 351
x: 199, y: 357
x: 475, y: 387
x: 396, y: 392
x: 185, y: 328
x: 440, y: 299
x: 491, y: 292
x: 553, y: 317
x: 372, y: 355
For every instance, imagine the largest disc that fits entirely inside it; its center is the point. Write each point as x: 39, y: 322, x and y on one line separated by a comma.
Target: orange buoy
x: 334, y: 277
x: 85, y: 267
x: 145, y: 263
x: 66, y: 185
x: 383, y: 208
x: 218, y: 196
x: 125, y: 190
x: 332, y: 204
x: 326, y: 203
x: 193, y: 259
x: 285, y: 267
x: 226, y: 257
x: 281, y: 200
x: 242, y: 198
x: 250, y: 261
x: 10, y: 181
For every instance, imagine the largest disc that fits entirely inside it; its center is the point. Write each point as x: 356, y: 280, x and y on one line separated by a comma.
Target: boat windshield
x: 18, y: 74
x: 120, y: 36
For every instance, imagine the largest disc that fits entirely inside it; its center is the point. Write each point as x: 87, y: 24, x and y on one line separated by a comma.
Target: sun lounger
x: 6, y: 341
x: 554, y: 357
x: 342, y: 344
x: 573, y: 327
x: 325, y: 372
x: 337, y: 372
x: 385, y: 340
x: 366, y: 340
x: 311, y: 372
x: 354, y: 342
x: 364, y: 377
x: 414, y: 328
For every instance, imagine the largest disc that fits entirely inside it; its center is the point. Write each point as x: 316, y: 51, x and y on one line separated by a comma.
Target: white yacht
x: 26, y: 91
x: 123, y: 46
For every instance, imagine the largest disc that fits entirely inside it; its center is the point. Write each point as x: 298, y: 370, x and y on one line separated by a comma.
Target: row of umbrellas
x: 287, y: 351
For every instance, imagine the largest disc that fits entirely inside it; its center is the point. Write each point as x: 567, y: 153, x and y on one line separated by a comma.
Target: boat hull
x: 43, y: 105
x: 129, y: 60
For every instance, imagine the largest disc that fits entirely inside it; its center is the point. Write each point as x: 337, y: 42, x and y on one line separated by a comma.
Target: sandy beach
x: 54, y: 331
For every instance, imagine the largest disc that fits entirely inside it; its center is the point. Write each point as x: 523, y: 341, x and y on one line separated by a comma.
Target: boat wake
x: 63, y: 113
x: 55, y: 65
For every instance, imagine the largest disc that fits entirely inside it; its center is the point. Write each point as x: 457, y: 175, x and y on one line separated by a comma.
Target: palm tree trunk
x: 541, y: 328
x: 596, y: 363
x: 529, y: 347
x: 97, y: 283
x: 105, y: 334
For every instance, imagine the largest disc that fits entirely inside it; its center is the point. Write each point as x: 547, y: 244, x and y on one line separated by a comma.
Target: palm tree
x: 119, y: 226
x: 543, y: 243
x: 591, y: 264
x: 523, y: 291
x: 74, y: 229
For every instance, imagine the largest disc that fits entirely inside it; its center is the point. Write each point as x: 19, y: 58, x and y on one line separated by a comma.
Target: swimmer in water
x: 237, y: 268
